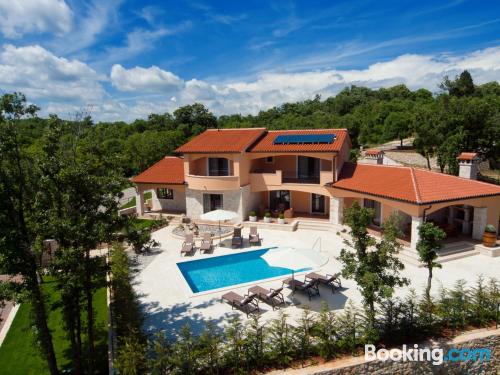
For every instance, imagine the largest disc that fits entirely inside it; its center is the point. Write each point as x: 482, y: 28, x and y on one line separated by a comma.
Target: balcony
x: 216, y: 183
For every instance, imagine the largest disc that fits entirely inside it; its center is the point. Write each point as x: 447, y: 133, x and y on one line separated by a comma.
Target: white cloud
x: 39, y: 74
x: 19, y: 17
x: 68, y: 85
x: 151, y: 79
x: 270, y: 89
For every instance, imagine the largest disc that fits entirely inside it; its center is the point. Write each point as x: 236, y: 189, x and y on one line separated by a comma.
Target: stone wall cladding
x: 176, y: 204
x: 389, y: 367
x: 232, y: 201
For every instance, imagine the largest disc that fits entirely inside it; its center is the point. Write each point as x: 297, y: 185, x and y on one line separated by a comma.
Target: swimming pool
x: 228, y: 270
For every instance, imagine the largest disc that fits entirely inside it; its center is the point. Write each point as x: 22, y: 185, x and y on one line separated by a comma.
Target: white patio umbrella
x: 219, y: 215
x: 294, y: 259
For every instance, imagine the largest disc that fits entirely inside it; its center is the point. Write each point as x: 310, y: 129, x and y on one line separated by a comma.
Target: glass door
x: 279, y: 200
x: 318, y: 204
x: 212, y: 202
x: 308, y: 168
x: 218, y: 167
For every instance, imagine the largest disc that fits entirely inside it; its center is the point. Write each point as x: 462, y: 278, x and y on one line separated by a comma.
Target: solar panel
x: 297, y: 139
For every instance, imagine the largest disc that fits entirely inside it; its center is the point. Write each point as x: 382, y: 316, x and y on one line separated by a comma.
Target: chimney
x: 469, y: 165
x: 374, y: 156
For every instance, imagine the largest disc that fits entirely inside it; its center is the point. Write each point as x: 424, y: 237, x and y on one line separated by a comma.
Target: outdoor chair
x: 237, y: 239
x: 288, y: 213
x: 310, y: 287
x: 188, y: 244
x: 246, y: 303
x: 333, y: 281
x: 206, y: 243
x: 254, y: 238
x: 273, y: 297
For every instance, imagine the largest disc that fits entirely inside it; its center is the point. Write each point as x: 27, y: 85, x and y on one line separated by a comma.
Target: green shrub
x: 252, y: 213
x: 267, y: 214
x: 490, y: 229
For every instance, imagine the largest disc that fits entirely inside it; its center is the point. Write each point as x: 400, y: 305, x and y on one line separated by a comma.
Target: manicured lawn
x: 131, y: 203
x: 18, y: 353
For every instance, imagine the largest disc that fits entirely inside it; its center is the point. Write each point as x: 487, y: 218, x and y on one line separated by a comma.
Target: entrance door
x: 377, y: 211
x: 308, y: 169
x: 318, y: 204
x: 212, y: 202
x: 279, y: 200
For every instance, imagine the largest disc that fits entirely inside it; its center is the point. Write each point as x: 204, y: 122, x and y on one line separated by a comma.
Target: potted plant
x: 252, y: 216
x: 489, y: 236
x: 267, y: 217
x: 281, y: 218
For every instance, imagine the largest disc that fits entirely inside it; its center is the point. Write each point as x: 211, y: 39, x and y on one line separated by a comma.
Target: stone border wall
x: 488, y: 339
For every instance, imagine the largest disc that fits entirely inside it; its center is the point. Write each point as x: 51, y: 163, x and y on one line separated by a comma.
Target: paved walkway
x: 169, y: 302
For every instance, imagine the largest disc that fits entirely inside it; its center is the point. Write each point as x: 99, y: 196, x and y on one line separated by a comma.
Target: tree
x: 463, y: 85
x: 427, y: 245
x: 428, y: 133
x: 78, y: 207
x: 18, y: 238
x: 372, y: 264
x: 398, y: 125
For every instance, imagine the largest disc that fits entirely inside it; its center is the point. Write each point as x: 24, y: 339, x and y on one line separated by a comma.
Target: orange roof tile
x: 373, y: 152
x: 224, y: 140
x: 410, y: 184
x: 266, y: 143
x: 169, y: 170
x: 467, y: 156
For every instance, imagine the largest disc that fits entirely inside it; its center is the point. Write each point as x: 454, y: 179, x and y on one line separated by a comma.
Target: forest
x: 461, y: 116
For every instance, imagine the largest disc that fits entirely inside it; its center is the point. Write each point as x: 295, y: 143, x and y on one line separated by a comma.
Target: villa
x: 306, y: 175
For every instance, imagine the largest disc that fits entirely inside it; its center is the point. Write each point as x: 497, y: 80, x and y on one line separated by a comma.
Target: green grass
x: 19, y: 353
x: 143, y: 223
x: 131, y: 203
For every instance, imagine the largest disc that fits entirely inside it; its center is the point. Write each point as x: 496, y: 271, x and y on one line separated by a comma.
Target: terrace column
x: 139, y: 201
x: 480, y: 221
x: 336, y: 210
x: 415, y: 236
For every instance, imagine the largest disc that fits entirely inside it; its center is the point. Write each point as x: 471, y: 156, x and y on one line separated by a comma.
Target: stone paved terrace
x: 169, y: 302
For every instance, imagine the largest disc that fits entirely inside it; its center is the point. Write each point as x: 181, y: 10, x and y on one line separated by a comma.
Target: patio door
x: 212, y: 202
x: 218, y: 167
x: 307, y: 168
x: 377, y: 209
x: 317, y: 204
x: 279, y: 200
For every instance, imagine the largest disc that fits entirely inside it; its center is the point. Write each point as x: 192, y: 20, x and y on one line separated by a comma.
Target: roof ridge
x: 308, y: 130
x: 459, y: 177
x: 224, y: 129
x: 415, y: 185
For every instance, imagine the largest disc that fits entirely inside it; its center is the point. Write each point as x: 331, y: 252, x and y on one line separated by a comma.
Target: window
x: 218, y: 167
x: 212, y: 202
x: 270, y: 160
x: 164, y: 193
x: 377, y: 209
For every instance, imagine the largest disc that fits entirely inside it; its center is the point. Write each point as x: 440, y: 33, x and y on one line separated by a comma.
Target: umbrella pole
x: 220, y: 235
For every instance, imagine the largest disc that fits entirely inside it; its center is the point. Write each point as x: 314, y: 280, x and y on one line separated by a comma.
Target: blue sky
x: 126, y: 59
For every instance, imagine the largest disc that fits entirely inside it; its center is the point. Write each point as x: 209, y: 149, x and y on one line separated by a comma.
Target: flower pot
x: 281, y: 221
x: 267, y: 219
x: 489, y: 239
x: 252, y: 218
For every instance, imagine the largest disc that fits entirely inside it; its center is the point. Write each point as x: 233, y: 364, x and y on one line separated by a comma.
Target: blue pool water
x: 227, y: 270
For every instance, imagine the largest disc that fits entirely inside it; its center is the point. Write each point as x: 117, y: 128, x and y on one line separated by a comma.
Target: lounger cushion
x: 246, y: 300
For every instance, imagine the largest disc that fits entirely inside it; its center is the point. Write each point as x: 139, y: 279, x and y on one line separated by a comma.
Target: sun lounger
x: 188, y: 244
x: 273, y: 297
x: 310, y: 287
x: 246, y: 303
x: 206, y: 243
x: 237, y: 239
x: 332, y: 281
x: 254, y: 238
